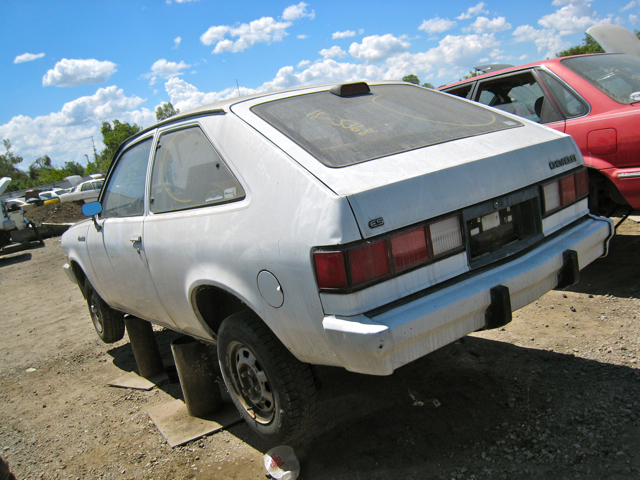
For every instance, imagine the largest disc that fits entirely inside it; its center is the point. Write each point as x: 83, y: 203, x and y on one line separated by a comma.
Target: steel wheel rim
x: 250, y: 383
x: 96, y: 316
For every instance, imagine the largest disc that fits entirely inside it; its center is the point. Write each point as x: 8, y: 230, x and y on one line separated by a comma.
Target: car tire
x: 274, y: 392
x: 109, y: 323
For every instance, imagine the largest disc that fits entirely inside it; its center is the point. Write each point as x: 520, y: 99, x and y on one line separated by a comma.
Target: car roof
x: 551, y: 61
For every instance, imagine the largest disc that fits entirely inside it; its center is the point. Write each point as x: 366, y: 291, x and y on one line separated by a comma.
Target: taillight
x: 565, y: 191
x: 367, y: 263
x: 446, y: 235
x: 330, y: 270
x: 409, y: 249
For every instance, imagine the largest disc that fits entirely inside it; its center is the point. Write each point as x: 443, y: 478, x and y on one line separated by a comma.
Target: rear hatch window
x: 342, y: 131
x: 618, y: 76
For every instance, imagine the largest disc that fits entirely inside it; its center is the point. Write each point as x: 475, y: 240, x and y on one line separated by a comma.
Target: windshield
x: 617, y: 75
x: 342, y: 131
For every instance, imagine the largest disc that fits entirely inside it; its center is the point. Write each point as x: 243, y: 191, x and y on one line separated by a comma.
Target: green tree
x: 112, y: 137
x: 9, y: 168
x: 166, y: 110
x: 589, y: 45
x: 411, y: 78
x: 72, y: 168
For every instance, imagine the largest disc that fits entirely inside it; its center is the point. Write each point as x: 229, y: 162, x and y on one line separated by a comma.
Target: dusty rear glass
x: 342, y: 131
x: 618, y: 76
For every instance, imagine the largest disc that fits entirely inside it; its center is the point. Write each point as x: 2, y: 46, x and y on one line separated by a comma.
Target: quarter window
x: 124, y: 194
x: 188, y: 173
x: 521, y: 95
x: 571, y: 105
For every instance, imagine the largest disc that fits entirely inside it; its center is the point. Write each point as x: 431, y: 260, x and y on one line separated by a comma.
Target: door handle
x: 134, y: 238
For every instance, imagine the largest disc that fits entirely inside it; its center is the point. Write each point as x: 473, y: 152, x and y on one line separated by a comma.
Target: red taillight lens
x: 565, y: 190
x: 582, y: 183
x: 409, y: 248
x: 330, y: 270
x: 568, y: 189
x: 369, y: 262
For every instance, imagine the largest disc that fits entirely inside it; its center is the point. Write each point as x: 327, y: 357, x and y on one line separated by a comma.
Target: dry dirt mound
x: 56, y: 213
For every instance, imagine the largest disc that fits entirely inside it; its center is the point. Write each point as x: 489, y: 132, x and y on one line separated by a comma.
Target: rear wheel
x: 274, y: 392
x: 109, y: 323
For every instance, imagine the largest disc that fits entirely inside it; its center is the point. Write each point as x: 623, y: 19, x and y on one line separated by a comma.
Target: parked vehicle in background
x: 17, y: 204
x: 53, y: 193
x: 594, y: 98
x: 11, y: 215
x: 357, y: 225
x: 87, y: 191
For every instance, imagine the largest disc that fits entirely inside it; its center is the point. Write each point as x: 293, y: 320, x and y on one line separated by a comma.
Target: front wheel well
x: 80, y: 276
x: 214, y: 304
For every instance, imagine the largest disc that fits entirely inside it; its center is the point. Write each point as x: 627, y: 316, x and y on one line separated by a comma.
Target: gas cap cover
x: 270, y: 289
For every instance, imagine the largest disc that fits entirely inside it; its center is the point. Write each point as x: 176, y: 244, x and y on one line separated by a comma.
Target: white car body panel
x: 294, y: 204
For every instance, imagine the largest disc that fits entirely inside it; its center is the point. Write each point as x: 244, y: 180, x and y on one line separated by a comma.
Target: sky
x: 68, y: 66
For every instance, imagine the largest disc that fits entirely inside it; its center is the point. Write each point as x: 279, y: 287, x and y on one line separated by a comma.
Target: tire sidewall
x: 232, y: 330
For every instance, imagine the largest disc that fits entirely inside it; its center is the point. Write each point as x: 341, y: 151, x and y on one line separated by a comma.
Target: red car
x: 594, y: 98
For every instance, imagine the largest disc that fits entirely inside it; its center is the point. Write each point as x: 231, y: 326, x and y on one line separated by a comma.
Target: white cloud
x: 437, y: 25
x: 295, y: 12
x: 265, y: 29
x: 483, y: 24
x: 70, y: 73
x: 27, y: 57
x: 633, y: 19
x: 376, y: 48
x: 166, y: 69
x: 302, y: 37
x: 303, y: 63
x: 332, y: 52
x: 629, y: 5
x: 345, y: 34
x: 546, y: 40
x: 66, y: 135
x: 473, y: 12
x: 575, y: 17
x: 176, y: 42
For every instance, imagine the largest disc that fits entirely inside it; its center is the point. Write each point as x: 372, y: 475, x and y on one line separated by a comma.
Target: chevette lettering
x: 563, y: 161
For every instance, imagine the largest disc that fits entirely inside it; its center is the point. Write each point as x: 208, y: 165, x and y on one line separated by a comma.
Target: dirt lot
x: 553, y: 395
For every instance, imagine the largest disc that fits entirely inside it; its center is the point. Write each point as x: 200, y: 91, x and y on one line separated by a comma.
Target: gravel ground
x: 553, y: 395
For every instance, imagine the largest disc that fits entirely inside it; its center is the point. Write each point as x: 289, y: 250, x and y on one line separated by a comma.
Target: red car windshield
x: 616, y: 75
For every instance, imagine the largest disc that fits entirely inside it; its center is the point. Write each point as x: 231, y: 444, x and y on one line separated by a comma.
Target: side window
x: 188, y: 172
x: 124, y: 194
x: 521, y: 95
x: 464, y: 91
x: 570, y: 104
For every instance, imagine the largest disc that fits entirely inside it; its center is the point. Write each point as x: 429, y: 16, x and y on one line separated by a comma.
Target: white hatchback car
x: 359, y: 225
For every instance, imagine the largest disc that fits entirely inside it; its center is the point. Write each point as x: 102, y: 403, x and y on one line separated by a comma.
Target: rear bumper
x: 381, y: 342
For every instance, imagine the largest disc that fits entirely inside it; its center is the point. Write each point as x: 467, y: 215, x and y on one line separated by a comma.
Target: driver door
x: 118, y: 249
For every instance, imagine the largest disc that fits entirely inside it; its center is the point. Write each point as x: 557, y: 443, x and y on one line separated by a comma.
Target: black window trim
x: 190, y: 123
x: 124, y: 147
x: 567, y: 86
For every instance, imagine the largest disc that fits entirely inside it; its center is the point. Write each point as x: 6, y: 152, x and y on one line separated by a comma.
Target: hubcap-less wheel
x: 250, y: 382
x: 96, y: 315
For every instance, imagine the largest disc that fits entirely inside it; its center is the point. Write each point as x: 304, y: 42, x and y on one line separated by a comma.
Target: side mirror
x: 91, y: 210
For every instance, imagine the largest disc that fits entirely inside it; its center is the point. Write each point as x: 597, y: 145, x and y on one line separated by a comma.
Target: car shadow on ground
x: 12, y: 260
x: 612, y: 275
x: 469, y: 406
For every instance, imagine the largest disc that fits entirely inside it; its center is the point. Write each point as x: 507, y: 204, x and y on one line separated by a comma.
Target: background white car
x: 87, y: 191
x: 357, y: 225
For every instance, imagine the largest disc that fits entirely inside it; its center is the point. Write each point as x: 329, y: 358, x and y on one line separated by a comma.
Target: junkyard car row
x: 356, y: 225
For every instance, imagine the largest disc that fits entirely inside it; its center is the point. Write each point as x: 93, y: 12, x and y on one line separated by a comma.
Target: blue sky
x: 67, y: 66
